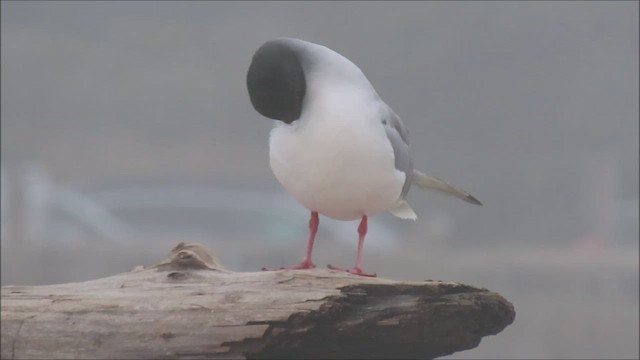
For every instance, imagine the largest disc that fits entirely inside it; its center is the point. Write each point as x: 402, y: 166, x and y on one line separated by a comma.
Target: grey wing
x: 398, y: 136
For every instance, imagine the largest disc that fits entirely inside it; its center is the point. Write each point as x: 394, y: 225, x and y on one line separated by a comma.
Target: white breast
x: 336, y: 159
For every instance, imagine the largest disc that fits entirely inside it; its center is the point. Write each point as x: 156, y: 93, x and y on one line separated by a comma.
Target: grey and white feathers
x: 336, y: 146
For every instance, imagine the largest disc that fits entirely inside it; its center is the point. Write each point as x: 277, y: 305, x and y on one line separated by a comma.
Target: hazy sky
x: 512, y: 101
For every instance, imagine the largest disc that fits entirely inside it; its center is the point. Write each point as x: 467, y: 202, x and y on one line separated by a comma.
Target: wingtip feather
x: 472, y: 200
x: 427, y: 182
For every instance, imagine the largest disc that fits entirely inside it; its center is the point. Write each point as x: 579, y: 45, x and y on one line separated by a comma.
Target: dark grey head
x: 276, y: 81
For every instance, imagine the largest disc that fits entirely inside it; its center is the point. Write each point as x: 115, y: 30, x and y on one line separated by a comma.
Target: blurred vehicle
x: 619, y: 233
x: 243, y: 225
x: 249, y: 228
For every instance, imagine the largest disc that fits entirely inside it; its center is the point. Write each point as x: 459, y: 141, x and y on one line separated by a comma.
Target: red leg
x: 306, y: 261
x: 362, y: 232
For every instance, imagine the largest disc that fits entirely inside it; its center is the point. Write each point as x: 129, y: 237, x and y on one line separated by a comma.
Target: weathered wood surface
x: 190, y: 307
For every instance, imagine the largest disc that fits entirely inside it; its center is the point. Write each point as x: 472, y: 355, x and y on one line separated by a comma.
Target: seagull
x: 335, y: 146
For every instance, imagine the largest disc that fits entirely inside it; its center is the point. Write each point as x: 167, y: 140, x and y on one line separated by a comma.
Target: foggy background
x: 127, y: 127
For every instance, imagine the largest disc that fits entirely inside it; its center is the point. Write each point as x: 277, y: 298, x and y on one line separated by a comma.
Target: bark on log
x: 190, y: 307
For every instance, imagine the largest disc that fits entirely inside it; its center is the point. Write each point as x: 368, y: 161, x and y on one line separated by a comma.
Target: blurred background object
x: 127, y: 128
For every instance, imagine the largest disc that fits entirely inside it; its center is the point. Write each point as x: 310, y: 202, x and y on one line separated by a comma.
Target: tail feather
x: 404, y: 211
x: 426, y: 182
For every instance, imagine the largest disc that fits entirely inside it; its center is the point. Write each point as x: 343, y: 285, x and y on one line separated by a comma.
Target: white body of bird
x: 336, y: 159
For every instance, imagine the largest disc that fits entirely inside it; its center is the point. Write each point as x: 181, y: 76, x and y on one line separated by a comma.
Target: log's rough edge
x: 386, y: 321
x: 332, y: 314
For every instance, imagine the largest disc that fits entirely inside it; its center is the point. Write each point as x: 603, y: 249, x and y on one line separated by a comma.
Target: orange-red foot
x: 303, y: 265
x: 355, y: 270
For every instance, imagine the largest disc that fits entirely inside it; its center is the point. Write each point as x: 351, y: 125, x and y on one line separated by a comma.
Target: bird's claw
x: 302, y: 266
x: 355, y: 271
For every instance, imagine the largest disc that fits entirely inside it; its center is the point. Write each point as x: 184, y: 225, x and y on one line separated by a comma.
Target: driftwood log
x: 190, y: 307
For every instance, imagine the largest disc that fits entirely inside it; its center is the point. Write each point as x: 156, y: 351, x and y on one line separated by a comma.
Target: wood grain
x: 190, y: 307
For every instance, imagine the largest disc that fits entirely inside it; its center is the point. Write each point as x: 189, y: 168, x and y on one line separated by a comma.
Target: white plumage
x: 336, y: 159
